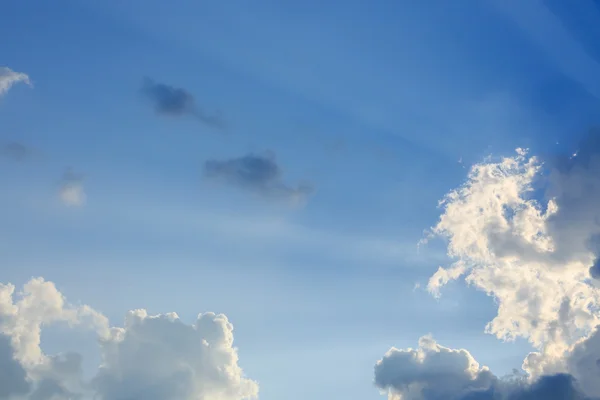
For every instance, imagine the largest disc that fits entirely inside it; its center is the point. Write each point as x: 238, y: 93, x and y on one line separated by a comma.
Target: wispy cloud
x: 176, y: 102
x: 15, y: 151
x: 257, y: 173
x: 71, y: 190
x: 8, y: 78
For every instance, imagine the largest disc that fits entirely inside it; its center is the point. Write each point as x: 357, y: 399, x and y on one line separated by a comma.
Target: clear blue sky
x: 381, y: 106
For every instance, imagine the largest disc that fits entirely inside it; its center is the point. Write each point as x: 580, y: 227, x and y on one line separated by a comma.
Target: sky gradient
x: 279, y: 162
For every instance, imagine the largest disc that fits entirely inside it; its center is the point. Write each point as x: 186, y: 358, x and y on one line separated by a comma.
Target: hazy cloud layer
x: 257, y: 173
x: 177, y: 102
x: 8, y: 78
x: 71, y: 191
x: 151, y: 357
x: 538, y: 258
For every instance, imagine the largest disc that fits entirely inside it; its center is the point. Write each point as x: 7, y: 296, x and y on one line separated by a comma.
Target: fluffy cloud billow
x: 527, y: 233
x: 151, y: 357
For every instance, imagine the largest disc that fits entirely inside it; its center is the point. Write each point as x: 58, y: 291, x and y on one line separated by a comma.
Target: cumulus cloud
x: 71, y: 190
x: 161, y: 358
x: 151, y: 357
x: 257, y: 173
x: 435, y: 372
x: 8, y: 78
x: 430, y: 371
x: 176, y: 102
x: 527, y: 234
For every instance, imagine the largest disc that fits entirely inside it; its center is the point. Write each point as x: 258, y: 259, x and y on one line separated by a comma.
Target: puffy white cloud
x: 535, y: 254
x: 40, y: 303
x: 506, y: 244
x: 8, y: 78
x: 150, y: 357
x: 161, y: 358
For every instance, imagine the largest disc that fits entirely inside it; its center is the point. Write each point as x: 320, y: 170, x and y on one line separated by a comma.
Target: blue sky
x: 381, y: 106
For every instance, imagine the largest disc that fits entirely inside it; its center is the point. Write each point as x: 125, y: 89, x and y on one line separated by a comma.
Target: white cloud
x: 150, y: 357
x: 534, y: 257
x: 8, y: 78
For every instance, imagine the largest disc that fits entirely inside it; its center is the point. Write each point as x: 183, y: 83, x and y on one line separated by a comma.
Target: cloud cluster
x: 71, y: 191
x: 257, y: 173
x: 176, y: 102
x: 8, y: 78
x: 150, y: 357
x: 528, y: 234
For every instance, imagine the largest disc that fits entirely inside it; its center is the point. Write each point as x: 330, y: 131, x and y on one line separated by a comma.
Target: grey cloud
x: 52, y: 389
x: 431, y: 372
x: 434, y: 372
x: 257, y: 173
x: 15, y: 151
x: 595, y: 270
x: 574, y: 183
x: 173, y: 101
x: 55, y: 377
x: 549, y: 387
x: 583, y: 361
x: 13, y: 377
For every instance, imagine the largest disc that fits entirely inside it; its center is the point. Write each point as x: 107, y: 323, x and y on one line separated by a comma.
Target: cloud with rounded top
x: 435, y: 372
x: 151, y: 357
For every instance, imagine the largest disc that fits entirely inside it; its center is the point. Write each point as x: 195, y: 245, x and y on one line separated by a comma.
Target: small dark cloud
x: 257, y: 173
x: 15, y: 151
x: 177, y: 102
